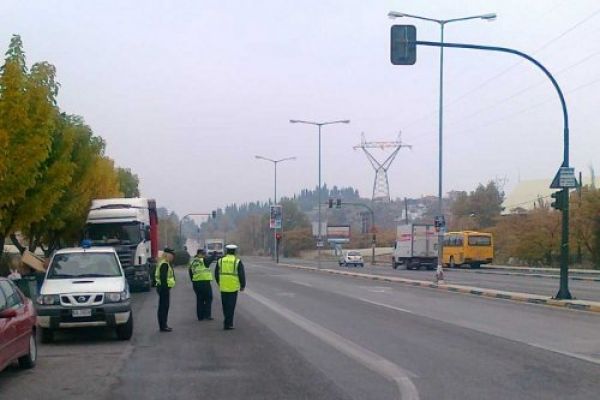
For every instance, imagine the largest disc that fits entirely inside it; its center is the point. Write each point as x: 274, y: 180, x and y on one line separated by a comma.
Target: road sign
x: 564, y: 178
x: 276, y: 215
x: 403, y: 49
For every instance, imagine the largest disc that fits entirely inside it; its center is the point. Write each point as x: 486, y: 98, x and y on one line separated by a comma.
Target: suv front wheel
x: 125, y: 331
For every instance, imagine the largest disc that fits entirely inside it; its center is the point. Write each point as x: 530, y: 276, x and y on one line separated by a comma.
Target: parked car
x: 17, y: 327
x: 85, y: 287
x: 351, y: 258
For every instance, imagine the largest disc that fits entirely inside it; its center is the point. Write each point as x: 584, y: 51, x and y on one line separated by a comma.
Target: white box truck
x: 130, y: 225
x: 214, y: 246
x: 415, y: 246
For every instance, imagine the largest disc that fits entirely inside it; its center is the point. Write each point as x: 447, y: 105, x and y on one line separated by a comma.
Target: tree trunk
x: 2, y: 241
x: 17, y: 244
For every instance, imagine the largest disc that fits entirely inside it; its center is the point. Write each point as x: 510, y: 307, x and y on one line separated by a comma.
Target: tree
x: 478, y: 209
x: 27, y: 118
x: 128, y: 183
x: 585, y: 222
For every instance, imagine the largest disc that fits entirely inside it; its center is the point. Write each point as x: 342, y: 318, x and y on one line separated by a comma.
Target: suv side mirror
x: 8, y: 313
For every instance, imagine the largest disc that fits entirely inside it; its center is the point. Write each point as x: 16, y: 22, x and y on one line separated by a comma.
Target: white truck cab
x: 130, y: 225
x: 84, y: 287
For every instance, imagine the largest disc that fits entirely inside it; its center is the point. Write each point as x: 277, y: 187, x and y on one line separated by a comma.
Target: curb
x: 539, y: 269
x: 580, y: 305
x: 538, y: 275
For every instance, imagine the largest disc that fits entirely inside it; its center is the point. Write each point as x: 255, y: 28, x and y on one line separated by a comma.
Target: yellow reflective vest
x: 170, y: 274
x: 229, y: 280
x: 200, y: 272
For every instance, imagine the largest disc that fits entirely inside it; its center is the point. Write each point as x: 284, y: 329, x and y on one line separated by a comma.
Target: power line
x: 518, y: 112
x: 511, y: 67
x: 528, y: 88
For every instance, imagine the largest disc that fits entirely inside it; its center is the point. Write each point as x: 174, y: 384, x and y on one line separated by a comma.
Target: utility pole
x: 275, y: 162
x: 319, y: 125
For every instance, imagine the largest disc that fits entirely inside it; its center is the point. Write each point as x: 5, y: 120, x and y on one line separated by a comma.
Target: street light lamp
x: 319, y: 125
x: 275, y: 162
x: 442, y: 23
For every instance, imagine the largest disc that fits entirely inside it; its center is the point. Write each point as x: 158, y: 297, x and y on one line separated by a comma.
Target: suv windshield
x: 84, y: 265
x: 215, y: 246
x: 353, y: 253
x: 119, y: 233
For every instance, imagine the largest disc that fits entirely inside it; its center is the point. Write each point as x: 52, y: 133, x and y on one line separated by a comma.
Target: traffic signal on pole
x: 558, y: 200
x: 338, y: 203
x: 330, y: 203
x: 403, y: 45
x: 278, y: 236
x: 214, y: 214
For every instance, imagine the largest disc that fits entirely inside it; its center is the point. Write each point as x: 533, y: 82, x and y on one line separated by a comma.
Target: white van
x: 85, y: 287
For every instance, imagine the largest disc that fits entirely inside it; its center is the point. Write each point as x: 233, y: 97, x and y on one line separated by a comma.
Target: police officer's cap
x: 231, y: 247
x: 169, y: 250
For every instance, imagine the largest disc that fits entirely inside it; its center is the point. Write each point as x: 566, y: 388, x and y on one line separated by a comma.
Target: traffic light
x: 214, y: 214
x: 278, y: 236
x: 330, y: 203
x: 338, y: 203
x: 403, y: 45
x: 558, y: 200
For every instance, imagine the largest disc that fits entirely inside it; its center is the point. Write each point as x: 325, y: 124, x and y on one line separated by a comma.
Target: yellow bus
x: 468, y: 248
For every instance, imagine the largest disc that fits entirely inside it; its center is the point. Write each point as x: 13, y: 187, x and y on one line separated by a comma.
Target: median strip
x: 580, y: 305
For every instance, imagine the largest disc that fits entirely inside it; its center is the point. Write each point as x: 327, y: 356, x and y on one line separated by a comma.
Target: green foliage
x: 51, y: 164
x: 27, y: 117
x: 128, y: 183
x: 478, y: 209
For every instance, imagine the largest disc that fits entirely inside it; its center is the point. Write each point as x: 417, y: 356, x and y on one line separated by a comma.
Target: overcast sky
x: 187, y: 92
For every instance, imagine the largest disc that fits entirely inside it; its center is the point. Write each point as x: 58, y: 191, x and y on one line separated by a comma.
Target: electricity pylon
x: 381, y: 185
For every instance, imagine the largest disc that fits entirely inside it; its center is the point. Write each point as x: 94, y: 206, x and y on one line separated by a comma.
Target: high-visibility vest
x: 200, y: 272
x: 170, y: 274
x: 229, y: 280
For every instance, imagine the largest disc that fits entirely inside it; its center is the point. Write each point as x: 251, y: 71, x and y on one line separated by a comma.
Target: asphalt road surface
x: 301, y: 335
x: 488, y: 279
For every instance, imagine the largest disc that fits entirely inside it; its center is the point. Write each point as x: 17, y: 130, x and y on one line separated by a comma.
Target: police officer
x: 165, y: 281
x: 231, y: 278
x: 202, y: 277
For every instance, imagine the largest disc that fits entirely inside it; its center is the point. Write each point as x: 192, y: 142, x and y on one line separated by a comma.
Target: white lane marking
x: 371, y: 360
x: 301, y: 283
x: 566, y: 353
x: 376, y: 289
x: 385, y: 305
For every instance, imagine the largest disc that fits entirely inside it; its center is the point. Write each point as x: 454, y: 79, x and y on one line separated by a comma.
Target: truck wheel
x: 475, y: 265
x: 47, y: 335
x: 125, y: 331
x: 28, y: 360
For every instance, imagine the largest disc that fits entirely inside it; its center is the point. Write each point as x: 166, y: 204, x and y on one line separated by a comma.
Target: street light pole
x: 442, y: 23
x: 319, y: 125
x: 275, y: 162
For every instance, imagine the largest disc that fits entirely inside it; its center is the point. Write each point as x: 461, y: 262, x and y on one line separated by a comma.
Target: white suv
x: 351, y: 258
x: 85, y: 287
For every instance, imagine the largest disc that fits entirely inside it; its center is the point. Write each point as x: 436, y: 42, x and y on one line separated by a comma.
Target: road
x: 302, y: 335
x: 488, y: 279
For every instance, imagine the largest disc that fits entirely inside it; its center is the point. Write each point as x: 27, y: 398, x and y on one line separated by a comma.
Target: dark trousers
x: 164, y: 295
x: 204, y: 297
x: 228, y: 300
